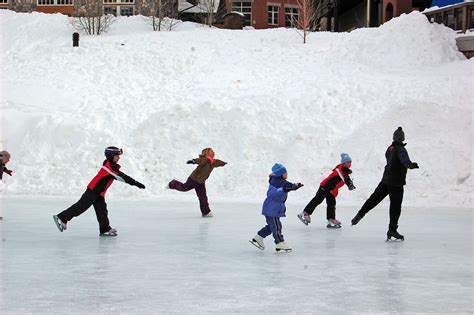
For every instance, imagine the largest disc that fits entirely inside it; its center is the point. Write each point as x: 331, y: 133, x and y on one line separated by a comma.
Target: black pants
x: 321, y: 194
x: 396, y: 197
x: 88, y: 199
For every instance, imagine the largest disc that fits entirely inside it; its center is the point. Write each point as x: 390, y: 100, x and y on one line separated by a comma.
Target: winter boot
x: 111, y: 232
x: 395, y: 235
x: 304, y: 217
x: 208, y: 215
x: 356, y: 219
x: 282, y: 247
x: 333, y: 224
x: 60, y: 224
x: 257, y: 241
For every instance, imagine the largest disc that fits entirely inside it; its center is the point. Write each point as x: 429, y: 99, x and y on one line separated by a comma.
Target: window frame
x: 291, y: 22
x: 247, y: 15
x: 54, y: 3
x: 273, y: 16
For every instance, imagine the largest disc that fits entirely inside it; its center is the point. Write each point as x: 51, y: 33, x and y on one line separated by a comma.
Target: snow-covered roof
x: 202, y: 7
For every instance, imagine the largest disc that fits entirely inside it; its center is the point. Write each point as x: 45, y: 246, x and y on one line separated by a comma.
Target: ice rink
x: 169, y: 259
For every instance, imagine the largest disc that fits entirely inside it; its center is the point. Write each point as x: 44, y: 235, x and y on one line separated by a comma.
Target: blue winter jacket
x: 274, y: 204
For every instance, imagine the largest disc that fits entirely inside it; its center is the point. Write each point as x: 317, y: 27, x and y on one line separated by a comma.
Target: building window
x: 55, y: 2
x: 126, y: 11
x: 246, y: 9
x: 119, y: 1
x: 458, y: 18
x: 110, y: 10
x: 450, y: 20
x: 273, y: 15
x: 471, y: 19
x: 291, y: 17
x: 3, y: 1
x: 118, y: 10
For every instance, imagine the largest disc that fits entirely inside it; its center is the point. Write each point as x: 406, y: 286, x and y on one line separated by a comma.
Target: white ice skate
x: 60, y: 224
x: 282, y: 247
x: 208, y: 215
x: 111, y: 232
x: 334, y: 224
x: 257, y: 241
x: 304, y: 217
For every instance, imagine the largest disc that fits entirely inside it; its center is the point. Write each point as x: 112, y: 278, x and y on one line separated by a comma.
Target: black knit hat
x: 110, y: 152
x: 399, y: 135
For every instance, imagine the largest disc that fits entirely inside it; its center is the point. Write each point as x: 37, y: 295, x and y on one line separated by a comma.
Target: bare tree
x: 162, y: 13
x: 210, y: 10
x: 90, y: 17
x: 306, y: 19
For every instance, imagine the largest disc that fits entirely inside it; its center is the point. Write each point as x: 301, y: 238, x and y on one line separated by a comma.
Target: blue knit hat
x: 278, y: 170
x: 345, y: 158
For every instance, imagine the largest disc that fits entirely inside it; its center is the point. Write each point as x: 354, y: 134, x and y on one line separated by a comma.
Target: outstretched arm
x: 405, y: 159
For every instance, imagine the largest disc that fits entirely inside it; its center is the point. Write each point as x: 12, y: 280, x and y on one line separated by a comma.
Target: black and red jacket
x: 337, y: 179
x: 109, y: 172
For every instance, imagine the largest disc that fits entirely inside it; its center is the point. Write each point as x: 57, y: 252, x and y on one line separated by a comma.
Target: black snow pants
x: 89, y: 198
x: 396, y: 197
x: 321, y: 194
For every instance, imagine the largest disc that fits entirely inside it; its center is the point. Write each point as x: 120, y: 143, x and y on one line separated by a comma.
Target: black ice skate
x: 397, y: 236
x: 356, y: 219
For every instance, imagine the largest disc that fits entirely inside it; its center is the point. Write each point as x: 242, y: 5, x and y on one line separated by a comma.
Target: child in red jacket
x: 328, y: 190
x: 95, y: 194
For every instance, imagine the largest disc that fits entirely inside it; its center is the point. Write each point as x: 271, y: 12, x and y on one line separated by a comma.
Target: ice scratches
x: 462, y: 179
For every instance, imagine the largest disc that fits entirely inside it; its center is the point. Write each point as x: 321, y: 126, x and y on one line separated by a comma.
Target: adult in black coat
x: 392, y: 183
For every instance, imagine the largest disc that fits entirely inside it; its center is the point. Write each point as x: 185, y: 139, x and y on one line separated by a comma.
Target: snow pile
x: 256, y: 97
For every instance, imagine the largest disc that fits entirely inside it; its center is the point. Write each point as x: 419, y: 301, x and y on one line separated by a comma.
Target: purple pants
x: 200, y: 192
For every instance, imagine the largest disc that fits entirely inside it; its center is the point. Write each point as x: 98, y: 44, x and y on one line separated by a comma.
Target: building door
x: 388, y: 12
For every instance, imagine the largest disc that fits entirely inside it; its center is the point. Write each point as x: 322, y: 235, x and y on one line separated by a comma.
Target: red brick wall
x: 64, y: 9
x: 260, y: 12
x: 399, y: 7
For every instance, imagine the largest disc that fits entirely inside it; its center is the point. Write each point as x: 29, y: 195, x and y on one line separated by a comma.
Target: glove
x: 351, y: 186
x: 190, y: 162
x: 139, y: 185
x: 413, y: 165
x: 9, y: 172
x: 298, y: 186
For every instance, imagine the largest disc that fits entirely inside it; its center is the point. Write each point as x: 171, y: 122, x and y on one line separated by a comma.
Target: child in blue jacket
x: 274, y: 208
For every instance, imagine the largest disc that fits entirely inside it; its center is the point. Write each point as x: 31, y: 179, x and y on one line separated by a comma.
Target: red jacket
x: 109, y: 172
x: 337, y: 179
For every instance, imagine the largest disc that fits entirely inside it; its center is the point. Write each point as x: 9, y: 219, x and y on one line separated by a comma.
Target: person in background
x: 274, y: 208
x: 393, y: 180
x: 4, y: 159
x: 329, y: 189
x: 95, y: 194
x: 197, y: 180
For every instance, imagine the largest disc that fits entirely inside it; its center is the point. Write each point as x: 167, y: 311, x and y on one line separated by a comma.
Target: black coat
x: 397, y: 163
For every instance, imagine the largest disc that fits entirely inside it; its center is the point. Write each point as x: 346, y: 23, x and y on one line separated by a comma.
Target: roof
x: 203, y: 6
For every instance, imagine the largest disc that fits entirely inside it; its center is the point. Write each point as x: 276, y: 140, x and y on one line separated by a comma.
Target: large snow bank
x: 256, y: 97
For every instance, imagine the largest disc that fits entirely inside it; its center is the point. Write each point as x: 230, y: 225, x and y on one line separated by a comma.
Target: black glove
x: 351, y: 186
x: 139, y: 185
x: 190, y: 162
x: 413, y: 165
x: 298, y: 186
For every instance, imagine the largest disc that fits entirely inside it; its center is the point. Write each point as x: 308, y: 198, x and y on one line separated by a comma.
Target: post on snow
x: 75, y: 40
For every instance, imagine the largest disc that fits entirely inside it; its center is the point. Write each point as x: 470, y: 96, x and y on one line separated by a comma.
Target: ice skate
x: 208, y: 215
x: 333, y: 224
x: 356, y: 219
x: 111, y: 232
x: 257, y: 241
x: 282, y: 247
x: 60, y: 224
x: 304, y: 217
x: 397, y: 236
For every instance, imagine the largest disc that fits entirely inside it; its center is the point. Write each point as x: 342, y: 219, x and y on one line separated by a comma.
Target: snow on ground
x: 167, y: 259
x: 256, y: 97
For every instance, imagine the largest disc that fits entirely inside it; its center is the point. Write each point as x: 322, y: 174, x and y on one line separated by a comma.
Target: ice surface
x: 169, y: 259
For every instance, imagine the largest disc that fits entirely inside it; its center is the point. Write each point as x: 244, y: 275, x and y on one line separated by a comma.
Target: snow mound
x: 256, y: 97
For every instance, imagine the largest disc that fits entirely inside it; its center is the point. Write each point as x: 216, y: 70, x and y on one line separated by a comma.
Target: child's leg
x: 102, y: 214
x: 202, y: 196
x: 276, y: 227
x: 320, y: 195
x: 331, y: 206
x: 87, y: 199
x: 177, y: 185
x: 265, y: 231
